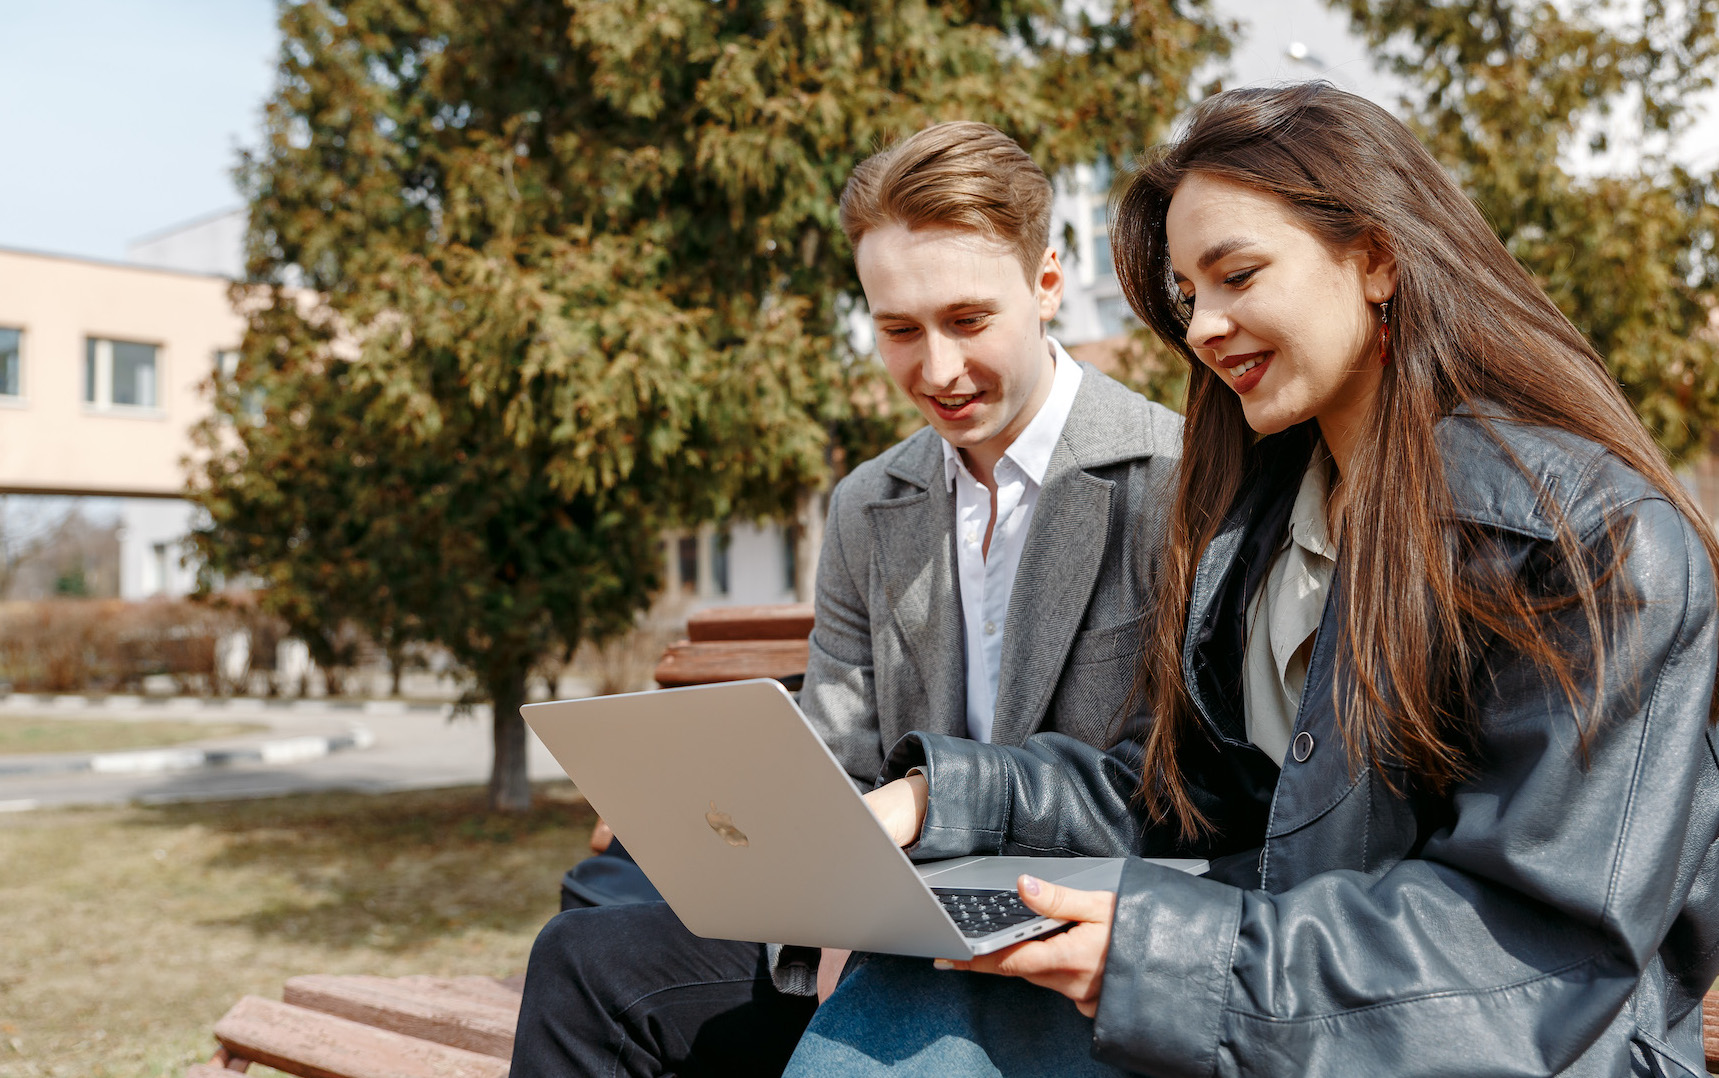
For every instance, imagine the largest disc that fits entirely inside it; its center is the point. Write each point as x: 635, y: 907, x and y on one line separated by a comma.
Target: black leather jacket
x: 1544, y: 917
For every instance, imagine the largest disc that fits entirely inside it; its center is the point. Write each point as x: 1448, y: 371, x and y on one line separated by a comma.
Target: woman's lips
x: 1244, y: 372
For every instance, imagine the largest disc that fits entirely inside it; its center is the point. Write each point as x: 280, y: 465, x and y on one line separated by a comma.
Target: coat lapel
x: 1059, y: 567
x: 914, y: 540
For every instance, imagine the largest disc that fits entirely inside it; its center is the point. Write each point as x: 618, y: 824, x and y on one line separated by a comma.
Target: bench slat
x: 792, y: 621
x: 690, y: 663
x: 314, y: 1045
x: 427, y: 1008
x: 490, y: 989
x: 1710, y: 1028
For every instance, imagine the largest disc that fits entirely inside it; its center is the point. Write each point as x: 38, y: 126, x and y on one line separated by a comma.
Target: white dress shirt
x: 1284, y: 616
x: 987, y: 580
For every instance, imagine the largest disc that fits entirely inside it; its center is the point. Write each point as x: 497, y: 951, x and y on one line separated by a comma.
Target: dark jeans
x: 627, y: 990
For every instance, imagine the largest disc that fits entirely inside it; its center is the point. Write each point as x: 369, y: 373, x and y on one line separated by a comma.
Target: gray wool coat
x: 887, y: 650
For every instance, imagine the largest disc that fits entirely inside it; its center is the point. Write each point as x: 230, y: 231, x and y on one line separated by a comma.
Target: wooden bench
x: 737, y: 642
x: 372, y: 1027
x: 462, y: 1027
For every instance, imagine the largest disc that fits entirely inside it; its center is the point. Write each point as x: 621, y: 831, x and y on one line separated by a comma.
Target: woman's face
x: 1289, y: 324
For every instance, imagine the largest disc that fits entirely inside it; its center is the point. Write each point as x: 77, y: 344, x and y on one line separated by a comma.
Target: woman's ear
x: 1378, y: 273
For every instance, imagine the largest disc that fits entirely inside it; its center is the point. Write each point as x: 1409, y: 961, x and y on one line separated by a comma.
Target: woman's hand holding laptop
x: 1071, y: 962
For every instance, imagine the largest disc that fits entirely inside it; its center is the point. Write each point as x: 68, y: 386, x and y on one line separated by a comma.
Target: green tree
x: 1515, y: 97
x: 573, y: 274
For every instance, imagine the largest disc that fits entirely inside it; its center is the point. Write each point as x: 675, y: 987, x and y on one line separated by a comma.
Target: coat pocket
x: 1097, y: 683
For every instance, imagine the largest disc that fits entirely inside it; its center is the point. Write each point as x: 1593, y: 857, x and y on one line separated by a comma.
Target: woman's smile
x: 1246, y: 371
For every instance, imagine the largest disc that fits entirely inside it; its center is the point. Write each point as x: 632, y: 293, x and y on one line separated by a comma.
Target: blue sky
x: 121, y: 117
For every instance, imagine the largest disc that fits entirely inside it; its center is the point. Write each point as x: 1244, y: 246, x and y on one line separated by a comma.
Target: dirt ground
x: 127, y: 932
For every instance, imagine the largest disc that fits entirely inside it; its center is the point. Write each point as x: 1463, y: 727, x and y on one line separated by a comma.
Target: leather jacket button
x: 1303, y: 747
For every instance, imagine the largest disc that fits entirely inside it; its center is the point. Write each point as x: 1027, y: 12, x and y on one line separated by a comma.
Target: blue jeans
x: 899, y: 1016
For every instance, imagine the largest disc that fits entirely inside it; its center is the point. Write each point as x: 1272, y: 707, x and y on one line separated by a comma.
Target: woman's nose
x: 1206, y: 327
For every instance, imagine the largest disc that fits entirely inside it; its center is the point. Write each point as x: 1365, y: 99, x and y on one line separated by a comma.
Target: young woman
x: 1432, y: 682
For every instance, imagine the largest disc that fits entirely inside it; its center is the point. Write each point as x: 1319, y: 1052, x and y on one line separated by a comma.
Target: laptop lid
x: 743, y: 819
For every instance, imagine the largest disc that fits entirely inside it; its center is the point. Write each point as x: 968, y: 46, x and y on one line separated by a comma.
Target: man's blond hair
x: 956, y: 175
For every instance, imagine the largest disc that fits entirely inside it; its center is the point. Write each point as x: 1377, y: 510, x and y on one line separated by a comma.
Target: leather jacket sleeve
x: 1052, y: 796
x: 1507, y: 941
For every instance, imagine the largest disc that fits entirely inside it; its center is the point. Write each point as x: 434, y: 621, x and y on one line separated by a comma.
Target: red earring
x: 1385, y: 334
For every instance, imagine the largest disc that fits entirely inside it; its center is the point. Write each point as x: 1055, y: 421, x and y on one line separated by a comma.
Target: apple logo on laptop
x: 723, y: 824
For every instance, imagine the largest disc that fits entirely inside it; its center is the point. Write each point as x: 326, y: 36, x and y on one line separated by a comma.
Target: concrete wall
x: 152, y: 546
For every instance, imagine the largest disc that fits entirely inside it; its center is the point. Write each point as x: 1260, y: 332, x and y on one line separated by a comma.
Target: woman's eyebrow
x: 1222, y: 248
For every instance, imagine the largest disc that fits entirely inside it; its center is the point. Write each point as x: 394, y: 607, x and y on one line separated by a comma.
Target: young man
x: 986, y: 577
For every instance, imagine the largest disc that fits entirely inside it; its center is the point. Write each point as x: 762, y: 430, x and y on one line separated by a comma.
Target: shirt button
x: 1303, y: 747
x: 990, y: 628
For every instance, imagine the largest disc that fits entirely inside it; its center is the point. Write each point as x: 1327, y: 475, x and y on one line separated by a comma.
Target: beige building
x: 100, y: 369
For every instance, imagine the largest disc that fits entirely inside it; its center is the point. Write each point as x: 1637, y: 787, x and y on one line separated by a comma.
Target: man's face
x: 960, y: 329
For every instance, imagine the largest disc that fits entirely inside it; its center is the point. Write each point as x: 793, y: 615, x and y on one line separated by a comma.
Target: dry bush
x: 111, y: 645
x: 628, y: 662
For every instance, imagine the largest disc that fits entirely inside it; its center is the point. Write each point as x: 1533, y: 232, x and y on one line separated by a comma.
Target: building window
x: 11, y: 362
x: 1098, y: 219
x: 1098, y: 241
x: 156, y: 578
x: 1115, y: 317
x: 790, y: 557
x: 120, y: 373
x: 226, y: 371
x: 686, y: 553
x: 719, y: 543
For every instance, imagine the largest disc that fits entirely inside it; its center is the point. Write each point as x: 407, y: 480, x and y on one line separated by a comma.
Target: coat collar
x: 1059, y: 566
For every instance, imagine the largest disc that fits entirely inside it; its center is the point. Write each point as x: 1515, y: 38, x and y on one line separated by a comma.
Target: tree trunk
x: 808, y: 543
x: 509, y: 784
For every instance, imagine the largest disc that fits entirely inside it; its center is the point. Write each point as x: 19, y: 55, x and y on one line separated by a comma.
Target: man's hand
x: 830, y: 965
x: 601, y: 836
x: 1070, y: 962
x: 900, y: 807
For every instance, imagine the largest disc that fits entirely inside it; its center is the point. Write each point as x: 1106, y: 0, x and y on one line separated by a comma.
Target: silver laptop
x: 741, y: 817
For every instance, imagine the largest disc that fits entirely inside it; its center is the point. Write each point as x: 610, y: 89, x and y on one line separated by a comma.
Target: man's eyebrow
x: 972, y: 303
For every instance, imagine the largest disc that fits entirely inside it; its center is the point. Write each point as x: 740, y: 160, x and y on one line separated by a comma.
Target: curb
x: 51, y: 702
x: 285, y: 750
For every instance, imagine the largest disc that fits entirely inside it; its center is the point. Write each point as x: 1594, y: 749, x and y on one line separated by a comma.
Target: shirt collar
x: 1307, y: 517
x: 1031, y: 450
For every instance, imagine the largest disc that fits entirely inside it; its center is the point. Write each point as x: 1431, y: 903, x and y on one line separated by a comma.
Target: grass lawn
x: 31, y: 733
x: 128, y: 932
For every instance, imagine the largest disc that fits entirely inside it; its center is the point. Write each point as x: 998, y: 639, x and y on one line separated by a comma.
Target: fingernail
x: 1029, y: 885
x: 942, y: 963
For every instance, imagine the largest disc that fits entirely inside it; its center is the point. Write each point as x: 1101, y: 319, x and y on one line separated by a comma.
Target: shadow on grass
x: 386, y: 871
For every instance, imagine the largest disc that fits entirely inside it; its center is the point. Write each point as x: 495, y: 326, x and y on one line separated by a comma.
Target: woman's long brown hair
x: 1469, y: 326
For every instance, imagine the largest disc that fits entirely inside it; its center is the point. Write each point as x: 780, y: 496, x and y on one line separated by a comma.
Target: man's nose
x: 944, y: 363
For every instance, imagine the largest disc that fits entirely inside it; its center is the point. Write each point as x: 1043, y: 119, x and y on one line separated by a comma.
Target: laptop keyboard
x: 980, y: 913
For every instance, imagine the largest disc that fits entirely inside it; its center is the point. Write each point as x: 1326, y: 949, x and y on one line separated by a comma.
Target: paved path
x: 309, y: 745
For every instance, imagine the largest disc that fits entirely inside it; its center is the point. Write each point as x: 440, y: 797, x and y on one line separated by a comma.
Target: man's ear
x: 1048, y: 287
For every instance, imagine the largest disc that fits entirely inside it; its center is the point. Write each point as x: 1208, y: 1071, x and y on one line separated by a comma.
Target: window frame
x: 89, y: 398
x: 20, y: 399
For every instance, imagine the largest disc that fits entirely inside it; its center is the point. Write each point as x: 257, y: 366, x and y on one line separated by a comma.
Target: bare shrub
x: 628, y: 662
x: 110, y: 645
